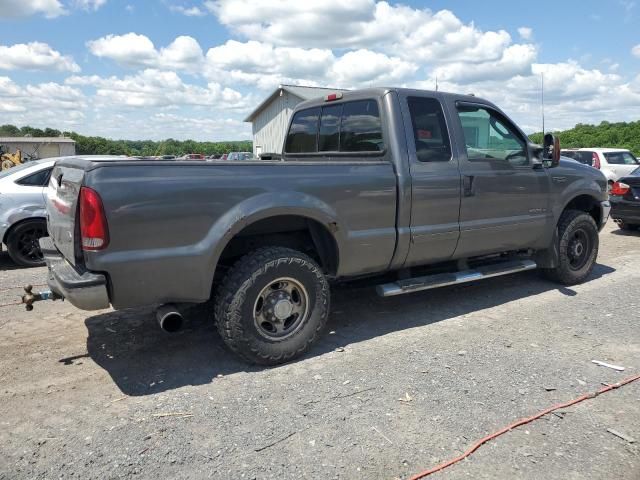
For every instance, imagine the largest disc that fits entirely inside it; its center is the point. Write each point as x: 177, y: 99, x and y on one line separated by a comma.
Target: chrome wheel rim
x: 281, y: 308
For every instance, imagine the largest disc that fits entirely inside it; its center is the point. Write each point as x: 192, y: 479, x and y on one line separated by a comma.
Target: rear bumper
x: 625, y: 210
x: 85, y: 290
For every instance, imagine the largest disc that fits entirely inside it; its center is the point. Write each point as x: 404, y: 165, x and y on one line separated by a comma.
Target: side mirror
x: 551, y: 150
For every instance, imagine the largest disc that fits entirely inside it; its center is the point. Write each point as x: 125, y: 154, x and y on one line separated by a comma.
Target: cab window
x: 489, y: 136
x: 429, y: 130
x: 38, y: 179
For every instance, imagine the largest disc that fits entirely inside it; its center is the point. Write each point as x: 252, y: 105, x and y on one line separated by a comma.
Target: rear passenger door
x: 435, y: 181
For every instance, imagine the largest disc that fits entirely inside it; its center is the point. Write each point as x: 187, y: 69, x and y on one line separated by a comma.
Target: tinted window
x: 488, y: 136
x: 38, y: 179
x: 361, y: 130
x: 429, y: 130
x: 329, y: 137
x: 585, y: 157
x: 621, y: 158
x: 302, y: 137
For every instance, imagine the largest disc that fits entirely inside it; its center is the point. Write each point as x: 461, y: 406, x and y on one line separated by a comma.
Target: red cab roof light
x: 93, y: 222
x: 333, y: 96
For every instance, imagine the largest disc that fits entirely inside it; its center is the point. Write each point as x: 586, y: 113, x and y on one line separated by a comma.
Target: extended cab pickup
x: 427, y: 188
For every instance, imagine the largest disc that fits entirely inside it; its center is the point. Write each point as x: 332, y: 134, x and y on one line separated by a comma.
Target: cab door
x: 505, y: 197
x: 435, y: 180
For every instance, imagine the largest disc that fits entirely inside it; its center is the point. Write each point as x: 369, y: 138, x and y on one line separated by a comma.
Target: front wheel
x: 578, y: 243
x: 272, y: 305
x: 626, y: 226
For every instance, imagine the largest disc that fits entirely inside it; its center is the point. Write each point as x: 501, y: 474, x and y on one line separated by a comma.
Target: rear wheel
x: 271, y: 305
x: 578, y: 243
x: 22, y: 243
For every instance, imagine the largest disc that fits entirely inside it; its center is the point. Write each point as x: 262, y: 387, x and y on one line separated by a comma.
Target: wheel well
x: 12, y: 227
x: 293, y: 231
x: 587, y: 204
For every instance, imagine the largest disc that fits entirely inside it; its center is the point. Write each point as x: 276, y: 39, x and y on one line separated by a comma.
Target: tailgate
x: 62, y: 205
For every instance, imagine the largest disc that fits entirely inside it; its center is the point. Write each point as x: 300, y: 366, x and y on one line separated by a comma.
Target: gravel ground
x: 395, y: 386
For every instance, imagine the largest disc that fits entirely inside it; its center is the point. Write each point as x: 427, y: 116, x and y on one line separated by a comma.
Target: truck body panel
x: 434, y: 192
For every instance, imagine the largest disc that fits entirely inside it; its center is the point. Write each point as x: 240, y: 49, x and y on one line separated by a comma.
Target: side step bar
x: 428, y: 282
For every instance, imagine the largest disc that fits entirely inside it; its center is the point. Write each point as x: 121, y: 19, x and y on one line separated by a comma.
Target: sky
x: 143, y: 69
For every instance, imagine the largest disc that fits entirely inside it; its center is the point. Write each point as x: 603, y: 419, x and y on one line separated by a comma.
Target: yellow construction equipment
x: 10, y: 160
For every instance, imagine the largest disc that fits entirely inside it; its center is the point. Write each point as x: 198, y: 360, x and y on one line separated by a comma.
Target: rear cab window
x: 347, y: 127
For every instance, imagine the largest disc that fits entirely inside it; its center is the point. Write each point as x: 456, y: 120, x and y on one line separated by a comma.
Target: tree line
x: 104, y: 146
x: 606, y: 135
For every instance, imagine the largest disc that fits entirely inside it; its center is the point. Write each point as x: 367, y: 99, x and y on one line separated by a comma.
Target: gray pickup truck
x: 414, y: 189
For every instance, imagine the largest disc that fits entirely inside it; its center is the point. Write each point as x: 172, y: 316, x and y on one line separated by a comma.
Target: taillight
x: 93, y: 222
x: 595, y: 160
x: 619, y: 189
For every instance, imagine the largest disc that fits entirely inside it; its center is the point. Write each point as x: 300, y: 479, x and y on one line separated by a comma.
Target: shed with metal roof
x: 33, y: 148
x: 270, y: 119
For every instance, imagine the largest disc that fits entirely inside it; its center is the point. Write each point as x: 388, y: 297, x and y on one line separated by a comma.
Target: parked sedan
x: 22, y: 207
x: 625, y: 201
x: 22, y: 212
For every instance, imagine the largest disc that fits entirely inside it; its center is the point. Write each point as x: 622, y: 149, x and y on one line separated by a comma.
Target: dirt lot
x: 394, y: 386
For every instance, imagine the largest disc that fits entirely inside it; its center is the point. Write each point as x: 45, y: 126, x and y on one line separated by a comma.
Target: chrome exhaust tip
x: 169, y: 318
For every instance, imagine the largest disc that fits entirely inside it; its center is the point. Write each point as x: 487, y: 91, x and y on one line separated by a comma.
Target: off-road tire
x: 22, y: 243
x: 235, y: 304
x: 571, y: 222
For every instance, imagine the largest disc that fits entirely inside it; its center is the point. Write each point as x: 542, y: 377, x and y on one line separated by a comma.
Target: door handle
x: 467, y: 185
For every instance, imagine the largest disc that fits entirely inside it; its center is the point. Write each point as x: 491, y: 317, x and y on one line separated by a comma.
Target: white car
x: 22, y: 210
x: 613, y: 162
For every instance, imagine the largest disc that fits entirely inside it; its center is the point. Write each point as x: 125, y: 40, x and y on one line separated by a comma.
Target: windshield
x: 19, y: 168
x: 621, y: 158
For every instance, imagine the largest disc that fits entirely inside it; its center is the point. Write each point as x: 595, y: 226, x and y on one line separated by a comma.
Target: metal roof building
x: 39, y: 147
x: 270, y: 119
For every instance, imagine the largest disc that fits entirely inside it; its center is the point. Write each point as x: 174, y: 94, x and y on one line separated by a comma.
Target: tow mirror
x: 551, y: 150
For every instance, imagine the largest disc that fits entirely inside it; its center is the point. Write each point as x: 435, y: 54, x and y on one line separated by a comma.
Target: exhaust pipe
x: 169, y: 318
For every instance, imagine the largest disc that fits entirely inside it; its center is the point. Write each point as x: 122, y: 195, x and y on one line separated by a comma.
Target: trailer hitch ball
x: 29, y: 298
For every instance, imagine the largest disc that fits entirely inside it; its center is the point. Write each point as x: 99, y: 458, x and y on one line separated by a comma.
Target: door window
x: 429, y: 130
x: 489, y: 136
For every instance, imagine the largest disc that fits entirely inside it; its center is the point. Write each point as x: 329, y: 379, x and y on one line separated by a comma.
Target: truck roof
x: 381, y: 91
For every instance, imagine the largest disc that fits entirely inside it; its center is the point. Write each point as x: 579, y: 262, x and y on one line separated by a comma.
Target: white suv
x: 613, y: 162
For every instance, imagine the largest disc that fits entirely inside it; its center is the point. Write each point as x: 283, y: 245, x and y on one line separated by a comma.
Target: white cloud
x: 135, y: 50
x: 415, y: 34
x: 364, y: 67
x: 26, y: 8
x: 635, y: 51
x: 193, y: 11
x: 155, y: 88
x: 89, y: 4
x: 35, y: 56
x: 515, y: 60
x: 525, y: 33
x: 44, y: 104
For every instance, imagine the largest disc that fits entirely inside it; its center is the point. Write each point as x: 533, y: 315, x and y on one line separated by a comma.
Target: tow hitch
x: 29, y: 298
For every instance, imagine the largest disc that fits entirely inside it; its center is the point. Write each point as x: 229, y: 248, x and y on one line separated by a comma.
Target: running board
x: 428, y: 282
